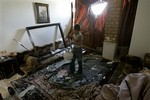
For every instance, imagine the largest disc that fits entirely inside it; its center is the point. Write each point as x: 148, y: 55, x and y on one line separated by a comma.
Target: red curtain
x: 91, y: 27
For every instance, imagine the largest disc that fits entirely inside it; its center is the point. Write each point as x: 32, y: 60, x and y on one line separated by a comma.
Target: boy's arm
x: 79, y: 41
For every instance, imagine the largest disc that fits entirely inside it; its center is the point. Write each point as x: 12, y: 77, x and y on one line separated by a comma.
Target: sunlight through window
x: 98, y: 8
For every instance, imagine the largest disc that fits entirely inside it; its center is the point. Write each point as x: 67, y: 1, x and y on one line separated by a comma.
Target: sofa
x: 39, y: 57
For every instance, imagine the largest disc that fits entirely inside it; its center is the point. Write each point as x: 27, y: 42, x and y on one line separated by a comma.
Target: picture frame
x: 42, y: 13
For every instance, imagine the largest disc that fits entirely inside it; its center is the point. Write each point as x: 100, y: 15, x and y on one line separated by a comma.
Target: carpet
x: 54, y: 82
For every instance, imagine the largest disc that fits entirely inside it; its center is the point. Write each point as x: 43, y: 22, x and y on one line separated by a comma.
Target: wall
x: 140, y: 42
x: 18, y: 14
x: 112, y: 27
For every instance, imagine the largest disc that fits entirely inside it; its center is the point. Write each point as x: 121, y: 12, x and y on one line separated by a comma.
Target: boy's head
x: 77, y: 27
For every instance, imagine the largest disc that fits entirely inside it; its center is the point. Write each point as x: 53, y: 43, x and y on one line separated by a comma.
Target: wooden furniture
x: 8, y: 67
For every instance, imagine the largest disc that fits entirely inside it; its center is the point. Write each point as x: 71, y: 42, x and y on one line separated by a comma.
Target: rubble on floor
x: 54, y: 79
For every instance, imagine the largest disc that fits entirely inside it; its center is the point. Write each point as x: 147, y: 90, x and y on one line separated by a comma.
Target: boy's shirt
x: 77, y: 39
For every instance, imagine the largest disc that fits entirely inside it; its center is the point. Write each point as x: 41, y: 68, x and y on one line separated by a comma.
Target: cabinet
x: 8, y: 66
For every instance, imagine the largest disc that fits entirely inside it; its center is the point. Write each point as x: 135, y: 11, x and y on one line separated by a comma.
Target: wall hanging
x: 41, y: 13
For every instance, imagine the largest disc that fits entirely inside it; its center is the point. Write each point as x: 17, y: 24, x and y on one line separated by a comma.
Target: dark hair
x: 77, y: 27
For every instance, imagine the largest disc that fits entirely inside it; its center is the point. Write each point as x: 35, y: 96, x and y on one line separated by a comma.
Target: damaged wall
x: 112, y: 28
x: 112, y: 25
x: 16, y: 15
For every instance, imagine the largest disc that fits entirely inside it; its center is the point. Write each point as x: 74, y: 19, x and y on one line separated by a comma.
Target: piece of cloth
x: 108, y: 92
x: 21, y: 94
x: 135, y: 86
x: 32, y: 61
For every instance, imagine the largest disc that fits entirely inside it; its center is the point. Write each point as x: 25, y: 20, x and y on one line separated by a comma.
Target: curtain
x: 92, y: 27
x: 128, y: 17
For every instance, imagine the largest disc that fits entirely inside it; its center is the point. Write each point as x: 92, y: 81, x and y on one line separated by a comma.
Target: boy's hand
x: 69, y: 37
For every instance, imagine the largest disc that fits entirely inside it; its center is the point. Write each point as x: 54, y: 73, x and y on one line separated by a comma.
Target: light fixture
x: 98, y: 7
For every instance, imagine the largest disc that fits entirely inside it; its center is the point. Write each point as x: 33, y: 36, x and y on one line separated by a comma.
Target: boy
x: 77, y: 49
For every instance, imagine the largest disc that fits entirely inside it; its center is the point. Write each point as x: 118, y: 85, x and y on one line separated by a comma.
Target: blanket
x: 135, y: 86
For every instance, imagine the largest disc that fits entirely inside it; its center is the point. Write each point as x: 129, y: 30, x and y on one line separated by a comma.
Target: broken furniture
x: 43, y: 60
x: 8, y: 67
x: 43, y: 54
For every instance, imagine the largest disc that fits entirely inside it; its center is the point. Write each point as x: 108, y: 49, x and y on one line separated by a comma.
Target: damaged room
x: 74, y: 50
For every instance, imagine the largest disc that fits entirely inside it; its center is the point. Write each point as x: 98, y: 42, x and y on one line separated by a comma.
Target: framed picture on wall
x: 42, y: 13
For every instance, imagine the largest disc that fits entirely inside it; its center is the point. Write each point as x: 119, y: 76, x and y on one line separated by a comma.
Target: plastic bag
x: 68, y: 55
